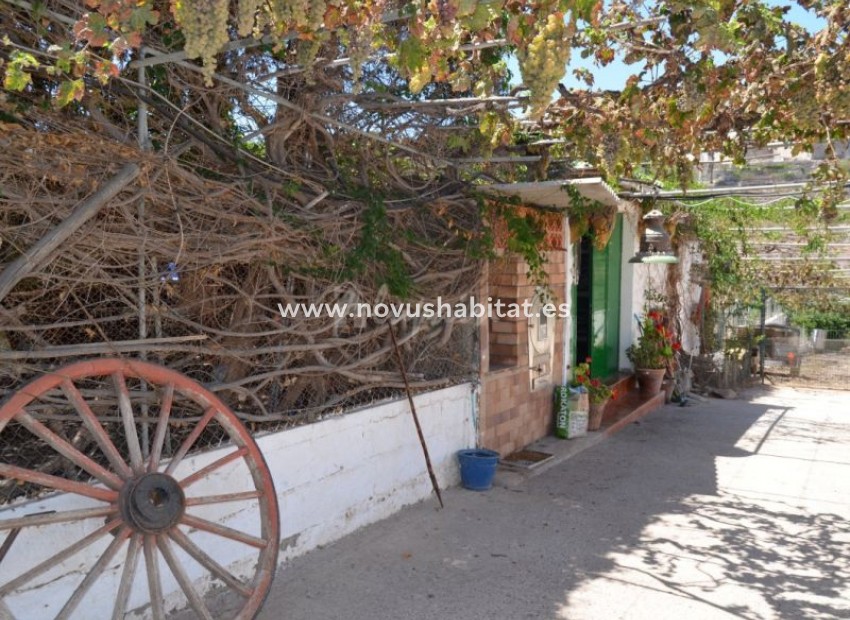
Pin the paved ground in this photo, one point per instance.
(728, 509)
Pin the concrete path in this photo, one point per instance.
(729, 509)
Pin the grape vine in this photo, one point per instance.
(204, 25)
(543, 63)
(246, 16)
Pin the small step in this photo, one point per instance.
(628, 405)
(621, 384)
(525, 459)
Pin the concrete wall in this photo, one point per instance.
(689, 296)
(637, 279)
(631, 295)
(331, 478)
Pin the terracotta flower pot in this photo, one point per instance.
(649, 380)
(597, 410)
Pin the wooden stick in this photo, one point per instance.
(424, 445)
(119, 346)
(44, 247)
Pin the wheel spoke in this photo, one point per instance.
(129, 422)
(224, 498)
(223, 531)
(93, 574)
(58, 558)
(57, 483)
(154, 584)
(158, 418)
(127, 576)
(208, 562)
(95, 428)
(161, 427)
(57, 517)
(68, 451)
(190, 440)
(195, 600)
(204, 471)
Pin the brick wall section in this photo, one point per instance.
(511, 415)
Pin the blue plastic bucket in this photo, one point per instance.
(477, 468)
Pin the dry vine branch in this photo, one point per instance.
(223, 266)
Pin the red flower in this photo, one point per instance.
(581, 378)
(587, 360)
(595, 383)
(677, 346)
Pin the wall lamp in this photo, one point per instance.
(655, 246)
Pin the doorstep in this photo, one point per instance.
(560, 449)
(627, 407)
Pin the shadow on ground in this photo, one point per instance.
(729, 509)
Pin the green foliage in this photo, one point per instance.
(597, 391)
(837, 320)
(526, 236)
(376, 254)
(70, 90)
(655, 345)
(729, 238)
(17, 77)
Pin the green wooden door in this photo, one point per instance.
(603, 286)
(605, 304)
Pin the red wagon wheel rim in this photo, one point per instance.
(142, 496)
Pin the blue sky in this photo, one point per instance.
(613, 76)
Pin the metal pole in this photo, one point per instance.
(434, 484)
(144, 144)
(762, 344)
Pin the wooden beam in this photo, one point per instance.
(102, 348)
(82, 213)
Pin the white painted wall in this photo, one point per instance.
(628, 275)
(331, 477)
(636, 280)
(689, 294)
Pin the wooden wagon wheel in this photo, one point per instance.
(105, 446)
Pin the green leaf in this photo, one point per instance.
(411, 54)
(584, 9)
(142, 16)
(72, 90)
(17, 78)
(420, 79)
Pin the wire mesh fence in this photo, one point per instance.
(807, 358)
(430, 363)
(188, 273)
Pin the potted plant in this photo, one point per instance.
(653, 352)
(598, 393)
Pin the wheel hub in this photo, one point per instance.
(152, 502)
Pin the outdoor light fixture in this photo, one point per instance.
(654, 242)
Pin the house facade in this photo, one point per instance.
(522, 359)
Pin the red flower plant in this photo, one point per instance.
(597, 391)
(656, 345)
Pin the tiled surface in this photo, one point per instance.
(630, 407)
(512, 415)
